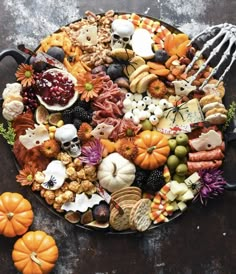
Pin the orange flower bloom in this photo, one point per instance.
(25, 74)
(88, 86)
(26, 176)
(84, 132)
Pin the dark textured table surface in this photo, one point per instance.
(200, 241)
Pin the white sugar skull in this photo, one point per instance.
(122, 31)
(68, 137)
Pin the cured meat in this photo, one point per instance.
(215, 154)
(196, 166)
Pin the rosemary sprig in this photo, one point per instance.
(8, 134)
(230, 115)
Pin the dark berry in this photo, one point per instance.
(161, 56)
(38, 66)
(84, 104)
(155, 181)
(57, 53)
(115, 71)
(67, 116)
(77, 123)
(141, 176)
(82, 114)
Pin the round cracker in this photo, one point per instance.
(131, 217)
(216, 110)
(141, 219)
(120, 222)
(129, 196)
(216, 119)
(211, 106)
(210, 99)
(124, 189)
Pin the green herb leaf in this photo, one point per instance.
(8, 134)
(230, 115)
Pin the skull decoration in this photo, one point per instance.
(122, 30)
(68, 137)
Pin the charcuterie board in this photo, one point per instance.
(115, 124)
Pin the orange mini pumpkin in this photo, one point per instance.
(153, 149)
(16, 214)
(35, 253)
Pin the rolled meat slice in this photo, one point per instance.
(196, 166)
(215, 154)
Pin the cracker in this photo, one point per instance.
(131, 217)
(129, 196)
(141, 219)
(120, 222)
(126, 189)
(216, 110)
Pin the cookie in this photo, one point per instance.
(141, 219)
(122, 53)
(216, 119)
(135, 63)
(216, 110)
(220, 88)
(210, 99)
(134, 83)
(144, 82)
(120, 222)
(125, 197)
(138, 71)
(211, 106)
(126, 190)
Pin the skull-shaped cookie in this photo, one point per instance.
(122, 30)
(67, 136)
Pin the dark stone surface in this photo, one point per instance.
(200, 241)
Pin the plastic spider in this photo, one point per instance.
(176, 110)
(51, 182)
(125, 62)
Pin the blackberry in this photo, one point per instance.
(67, 116)
(77, 123)
(155, 181)
(141, 176)
(82, 114)
(84, 104)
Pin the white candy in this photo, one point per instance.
(129, 96)
(137, 97)
(134, 104)
(155, 101)
(154, 120)
(136, 112)
(136, 120)
(164, 104)
(141, 105)
(128, 115)
(151, 108)
(127, 103)
(143, 115)
(148, 114)
(147, 100)
(158, 112)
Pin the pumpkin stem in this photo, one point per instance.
(115, 170)
(10, 215)
(34, 258)
(150, 149)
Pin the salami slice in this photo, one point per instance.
(196, 166)
(215, 154)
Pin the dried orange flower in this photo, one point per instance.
(50, 148)
(88, 85)
(26, 176)
(127, 148)
(25, 74)
(84, 132)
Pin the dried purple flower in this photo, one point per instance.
(212, 184)
(91, 152)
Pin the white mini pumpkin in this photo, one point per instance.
(115, 172)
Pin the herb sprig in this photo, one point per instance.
(8, 133)
(230, 115)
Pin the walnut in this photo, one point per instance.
(64, 158)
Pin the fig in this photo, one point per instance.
(115, 71)
(161, 56)
(41, 115)
(86, 217)
(72, 217)
(101, 212)
(57, 53)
